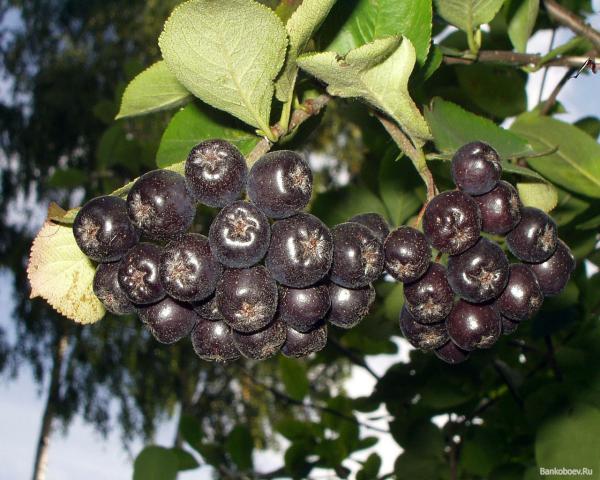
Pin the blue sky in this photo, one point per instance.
(82, 453)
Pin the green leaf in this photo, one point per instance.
(227, 54)
(370, 468)
(468, 15)
(194, 124)
(67, 178)
(156, 88)
(155, 463)
(423, 455)
(453, 126)
(522, 22)
(377, 72)
(191, 430)
(301, 26)
(293, 375)
(374, 19)
(480, 454)
(116, 147)
(570, 440)
(60, 215)
(539, 195)
(590, 125)
(185, 460)
(394, 302)
(569, 207)
(575, 165)
(337, 206)
(239, 445)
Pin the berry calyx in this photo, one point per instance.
(554, 274)
(430, 298)
(106, 287)
(451, 222)
(303, 308)
(215, 173)
(301, 250)
(375, 222)
(280, 183)
(239, 235)
(299, 345)
(476, 168)
(522, 297)
(103, 230)
(188, 271)
(168, 320)
(473, 326)
(534, 238)
(500, 209)
(139, 274)
(425, 337)
(261, 344)
(349, 306)
(213, 341)
(407, 254)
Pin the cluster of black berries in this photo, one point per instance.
(252, 287)
(493, 294)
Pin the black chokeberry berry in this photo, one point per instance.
(357, 255)
(103, 230)
(109, 292)
(349, 306)
(500, 209)
(430, 298)
(239, 235)
(261, 344)
(139, 275)
(407, 254)
(375, 222)
(534, 238)
(452, 222)
(280, 183)
(473, 326)
(298, 344)
(168, 320)
(425, 337)
(303, 308)
(208, 309)
(247, 298)
(301, 250)
(451, 353)
(554, 274)
(160, 205)
(479, 274)
(476, 168)
(508, 326)
(188, 271)
(213, 341)
(215, 172)
(522, 297)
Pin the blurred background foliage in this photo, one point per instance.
(65, 64)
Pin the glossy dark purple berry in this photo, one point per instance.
(473, 326)
(208, 309)
(407, 254)
(168, 320)
(299, 345)
(508, 326)
(425, 337)
(160, 205)
(500, 209)
(103, 230)
(554, 274)
(247, 298)
(301, 250)
(261, 344)
(476, 168)
(375, 222)
(430, 298)
(188, 271)
(534, 238)
(522, 297)
(215, 172)
(479, 274)
(349, 306)
(213, 341)
(303, 308)
(239, 235)
(357, 255)
(451, 222)
(109, 292)
(139, 274)
(451, 353)
(280, 183)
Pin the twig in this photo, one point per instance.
(551, 100)
(506, 57)
(573, 22)
(353, 357)
(545, 75)
(552, 358)
(499, 366)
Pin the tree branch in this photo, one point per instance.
(573, 22)
(551, 100)
(353, 357)
(510, 58)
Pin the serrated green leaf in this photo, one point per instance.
(227, 54)
(453, 126)
(293, 375)
(194, 124)
(377, 72)
(575, 165)
(468, 15)
(300, 27)
(60, 215)
(155, 89)
(539, 195)
(521, 23)
(239, 446)
(155, 463)
(374, 19)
